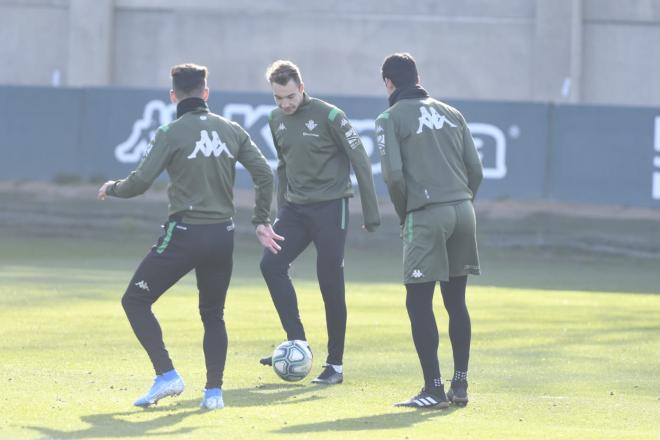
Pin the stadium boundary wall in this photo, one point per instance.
(574, 153)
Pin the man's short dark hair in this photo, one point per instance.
(283, 71)
(401, 69)
(188, 79)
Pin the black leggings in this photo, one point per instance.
(207, 249)
(419, 302)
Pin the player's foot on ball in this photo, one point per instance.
(457, 393)
(165, 385)
(212, 399)
(434, 398)
(329, 376)
(268, 360)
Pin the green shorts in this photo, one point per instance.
(440, 241)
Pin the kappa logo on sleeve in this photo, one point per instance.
(352, 137)
(380, 140)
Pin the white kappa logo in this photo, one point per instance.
(281, 127)
(417, 274)
(156, 113)
(311, 125)
(142, 284)
(352, 137)
(432, 119)
(210, 145)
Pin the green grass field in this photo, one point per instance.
(564, 346)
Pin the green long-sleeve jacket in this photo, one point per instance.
(427, 155)
(199, 150)
(316, 147)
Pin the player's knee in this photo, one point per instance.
(456, 311)
(333, 263)
(133, 300)
(210, 314)
(127, 301)
(270, 266)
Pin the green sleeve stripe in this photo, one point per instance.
(333, 114)
(270, 115)
(384, 115)
(168, 237)
(343, 214)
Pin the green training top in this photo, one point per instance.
(199, 150)
(316, 147)
(427, 155)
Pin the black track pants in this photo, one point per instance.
(207, 249)
(323, 224)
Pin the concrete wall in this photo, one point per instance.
(577, 51)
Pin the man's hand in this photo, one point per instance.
(101, 195)
(268, 238)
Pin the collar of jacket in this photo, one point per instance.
(191, 105)
(305, 101)
(408, 92)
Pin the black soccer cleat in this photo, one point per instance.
(329, 376)
(434, 398)
(458, 393)
(268, 360)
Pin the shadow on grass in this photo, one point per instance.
(119, 424)
(389, 420)
(272, 394)
(116, 425)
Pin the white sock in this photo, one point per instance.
(337, 368)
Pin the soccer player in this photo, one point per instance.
(199, 150)
(316, 146)
(432, 171)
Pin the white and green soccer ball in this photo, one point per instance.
(292, 360)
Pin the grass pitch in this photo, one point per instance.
(576, 356)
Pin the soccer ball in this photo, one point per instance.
(292, 360)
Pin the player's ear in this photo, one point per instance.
(205, 94)
(301, 87)
(172, 97)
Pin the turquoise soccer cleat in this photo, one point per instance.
(165, 385)
(212, 399)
